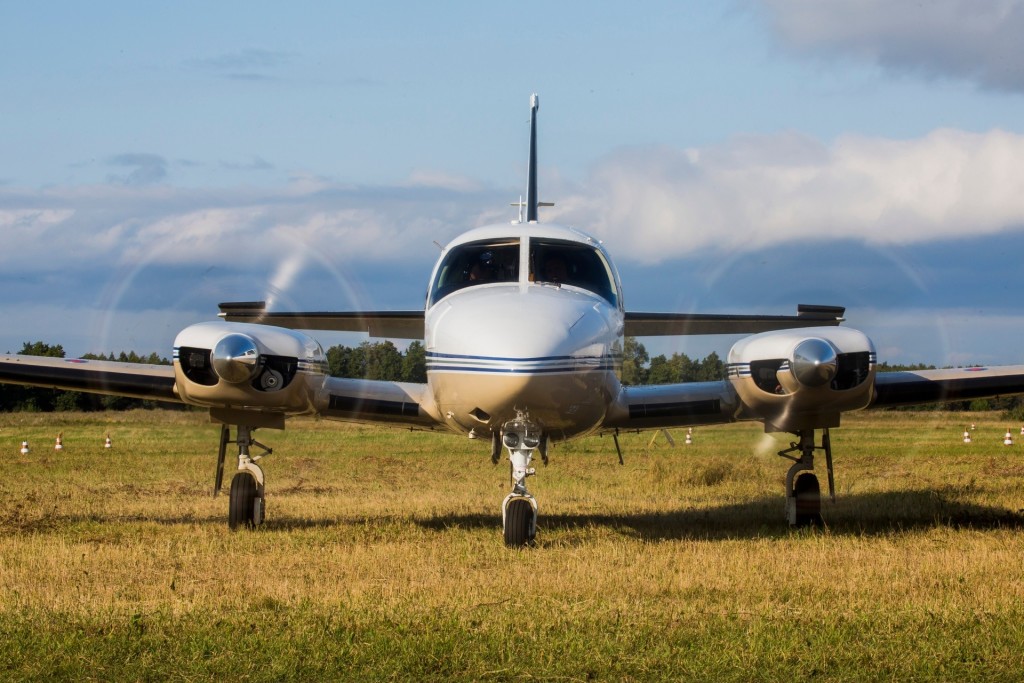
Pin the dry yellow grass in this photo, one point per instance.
(677, 565)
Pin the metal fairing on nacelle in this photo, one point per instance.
(294, 361)
(762, 370)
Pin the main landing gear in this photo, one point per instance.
(246, 505)
(519, 509)
(803, 493)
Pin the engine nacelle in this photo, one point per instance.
(802, 379)
(248, 367)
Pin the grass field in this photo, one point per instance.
(382, 557)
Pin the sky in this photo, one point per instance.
(735, 157)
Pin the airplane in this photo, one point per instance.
(524, 327)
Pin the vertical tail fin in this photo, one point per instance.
(531, 182)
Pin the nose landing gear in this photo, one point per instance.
(519, 509)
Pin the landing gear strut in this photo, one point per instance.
(519, 509)
(803, 493)
(246, 505)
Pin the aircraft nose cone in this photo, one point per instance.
(814, 362)
(516, 326)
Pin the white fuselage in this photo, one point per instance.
(523, 338)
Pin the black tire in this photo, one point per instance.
(242, 506)
(518, 523)
(807, 492)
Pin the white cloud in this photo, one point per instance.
(657, 203)
(649, 204)
(68, 227)
(979, 41)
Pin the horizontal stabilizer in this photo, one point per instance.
(670, 324)
(382, 324)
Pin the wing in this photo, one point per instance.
(672, 405)
(376, 401)
(384, 324)
(668, 324)
(939, 386)
(357, 400)
(134, 380)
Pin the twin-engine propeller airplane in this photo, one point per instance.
(524, 329)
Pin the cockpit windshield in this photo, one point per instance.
(476, 263)
(572, 263)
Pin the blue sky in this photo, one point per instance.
(741, 156)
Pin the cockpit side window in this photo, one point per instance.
(476, 263)
(572, 263)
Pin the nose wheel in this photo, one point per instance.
(519, 519)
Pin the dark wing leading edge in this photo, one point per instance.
(938, 386)
(376, 401)
(134, 380)
(382, 324)
(672, 405)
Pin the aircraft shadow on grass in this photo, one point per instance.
(865, 514)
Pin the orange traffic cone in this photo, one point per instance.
(689, 436)
(24, 447)
(107, 443)
(1008, 439)
(59, 446)
(967, 435)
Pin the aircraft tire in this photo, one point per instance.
(242, 505)
(518, 521)
(807, 491)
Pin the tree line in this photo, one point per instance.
(639, 368)
(383, 361)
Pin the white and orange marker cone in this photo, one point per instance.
(1022, 430)
(59, 446)
(967, 435)
(689, 436)
(1008, 439)
(24, 447)
(107, 443)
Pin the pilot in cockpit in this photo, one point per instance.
(483, 268)
(555, 269)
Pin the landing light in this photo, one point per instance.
(521, 432)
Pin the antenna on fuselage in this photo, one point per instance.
(531, 203)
